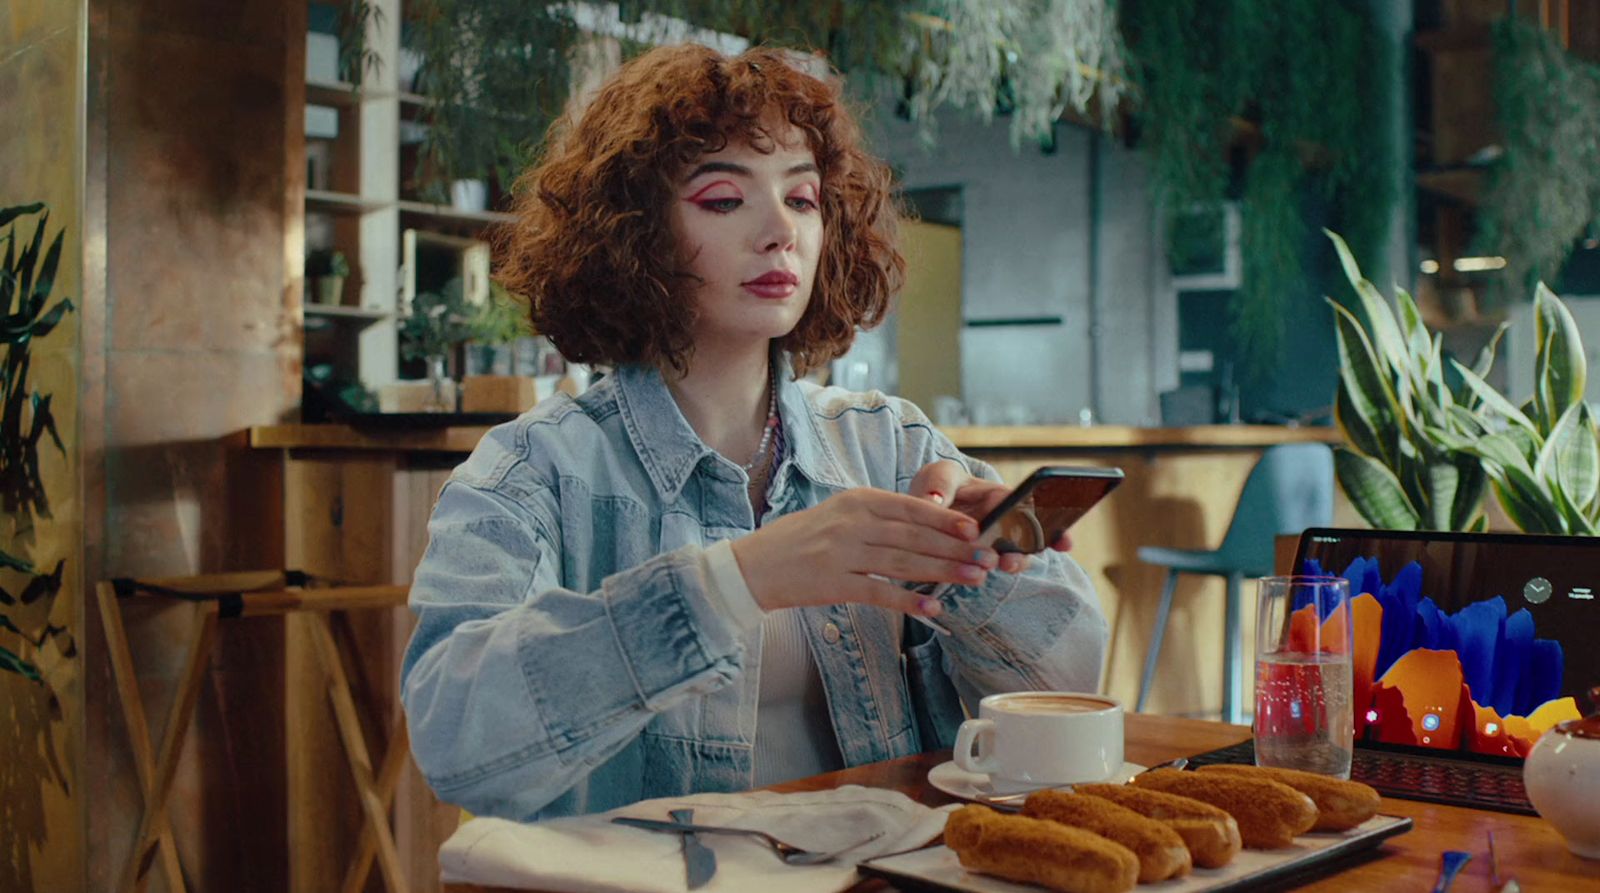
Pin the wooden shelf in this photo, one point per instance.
(339, 311)
(339, 93)
(342, 202)
(447, 213)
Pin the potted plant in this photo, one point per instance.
(437, 324)
(327, 270)
(499, 322)
(1422, 454)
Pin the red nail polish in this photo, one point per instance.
(936, 496)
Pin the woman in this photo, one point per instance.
(696, 576)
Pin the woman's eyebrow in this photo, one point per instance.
(728, 167)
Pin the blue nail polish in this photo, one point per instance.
(977, 556)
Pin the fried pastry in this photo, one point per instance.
(1269, 813)
(1341, 805)
(1034, 851)
(1161, 851)
(1209, 832)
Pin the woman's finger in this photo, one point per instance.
(1013, 562)
(938, 482)
(927, 541)
(904, 507)
(899, 564)
(865, 590)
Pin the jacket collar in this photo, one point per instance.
(670, 450)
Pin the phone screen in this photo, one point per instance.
(1045, 506)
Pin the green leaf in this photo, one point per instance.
(1569, 463)
(1416, 335)
(1478, 525)
(1485, 360)
(10, 661)
(1492, 400)
(1366, 380)
(1385, 334)
(1441, 482)
(9, 214)
(1471, 485)
(1466, 421)
(1356, 429)
(1505, 449)
(1534, 502)
(1559, 365)
(1374, 491)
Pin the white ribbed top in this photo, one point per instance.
(794, 735)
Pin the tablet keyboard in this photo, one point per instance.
(1408, 777)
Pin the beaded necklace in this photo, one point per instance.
(767, 431)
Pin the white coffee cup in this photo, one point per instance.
(1034, 738)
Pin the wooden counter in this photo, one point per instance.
(1028, 437)
(357, 504)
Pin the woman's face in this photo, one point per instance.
(749, 225)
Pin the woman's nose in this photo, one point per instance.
(778, 231)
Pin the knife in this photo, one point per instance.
(699, 862)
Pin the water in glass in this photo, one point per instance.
(1303, 719)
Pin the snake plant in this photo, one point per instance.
(1406, 466)
(1542, 458)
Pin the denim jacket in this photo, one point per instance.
(569, 658)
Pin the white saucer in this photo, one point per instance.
(958, 782)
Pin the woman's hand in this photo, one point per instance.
(947, 483)
(833, 553)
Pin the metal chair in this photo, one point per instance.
(1289, 490)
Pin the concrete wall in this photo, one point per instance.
(1066, 236)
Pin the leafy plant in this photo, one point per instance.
(499, 70)
(356, 58)
(1543, 460)
(501, 319)
(27, 276)
(437, 323)
(1271, 102)
(1404, 467)
(1543, 192)
(323, 262)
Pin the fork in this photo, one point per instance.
(788, 852)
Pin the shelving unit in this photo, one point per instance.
(359, 211)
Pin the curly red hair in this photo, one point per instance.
(591, 248)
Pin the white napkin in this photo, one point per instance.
(588, 854)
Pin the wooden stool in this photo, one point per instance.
(219, 597)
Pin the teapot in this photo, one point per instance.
(1562, 776)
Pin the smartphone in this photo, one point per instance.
(1044, 506)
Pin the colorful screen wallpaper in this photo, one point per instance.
(1469, 646)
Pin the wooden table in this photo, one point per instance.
(1530, 849)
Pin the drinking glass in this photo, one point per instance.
(1303, 675)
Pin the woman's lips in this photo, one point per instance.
(774, 284)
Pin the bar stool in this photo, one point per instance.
(220, 597)
(1289, 489)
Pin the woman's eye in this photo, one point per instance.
(801, 202)
(720, 205)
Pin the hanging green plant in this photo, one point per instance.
(28, 270)
(1543, 192)
(1299, 78)
(499, 71)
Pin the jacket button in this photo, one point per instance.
(830, 633)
